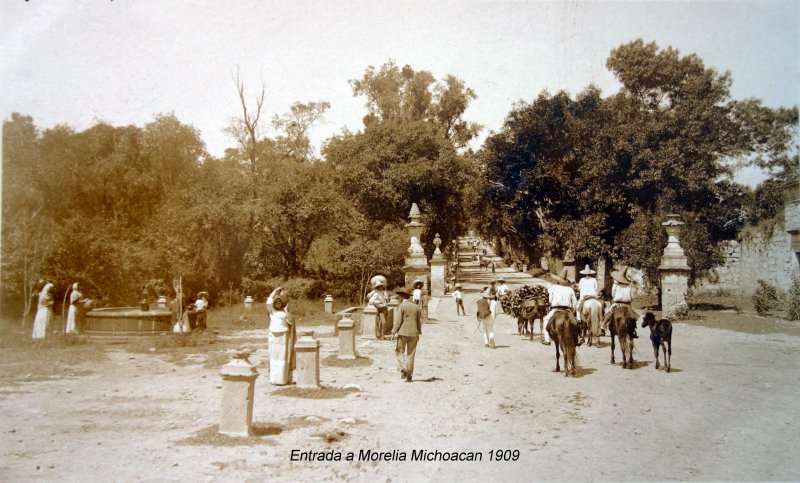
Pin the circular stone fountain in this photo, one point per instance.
(127, 321)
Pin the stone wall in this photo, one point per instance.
(758, 256)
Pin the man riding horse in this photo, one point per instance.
(621, 294)
(561, 297)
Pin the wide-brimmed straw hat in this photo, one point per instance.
(553, 278)
(418, 282)
(404, 292)
(202, 294)
(587, 271)
(501, 280)
(620, 278)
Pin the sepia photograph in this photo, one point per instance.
(390, 241)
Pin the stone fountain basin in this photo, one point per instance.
(127, 321)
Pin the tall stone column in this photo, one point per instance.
(674, 272)
(438, 265)
(416, 266)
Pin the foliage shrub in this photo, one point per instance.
(793, 299)
(764, 298)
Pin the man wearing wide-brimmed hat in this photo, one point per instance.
(407, 330)
(485, 319)
(621, 293)
(561, 296)
(459, 297)
(502, 289)
(379, 299)
(587, 288)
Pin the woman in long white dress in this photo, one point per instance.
(281, 339)
(73, 314)
(45, 312)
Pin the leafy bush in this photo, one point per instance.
(764, 298)
(793, 299)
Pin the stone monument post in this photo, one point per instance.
(674, 272)
(438, 265)
(307, 350)
(238, 384)
(248, 303)
(328, 304)
(162, 302)
(347, 338)
(416, 266)
(368, 320)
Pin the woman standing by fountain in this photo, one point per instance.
(282, 337)
(75, 306)
(45, 312)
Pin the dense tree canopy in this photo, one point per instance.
(126, 208)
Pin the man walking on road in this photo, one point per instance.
(407, 330)
(485, 318)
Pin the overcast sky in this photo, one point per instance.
(123, 61)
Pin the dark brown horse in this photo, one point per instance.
(564, 330)
(531, 310)
(622, 325)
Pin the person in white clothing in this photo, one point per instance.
(459, 297)
(45, 312)
(416, 296)
(281, 339)
(502, 289)
(561, 297)
(587, 288)
(75, 309)
(200, 308)
(621, 294)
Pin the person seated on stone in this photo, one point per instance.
(587, 288)
(561, 297)
(621, 294)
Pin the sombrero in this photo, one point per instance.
(201, 294)
(587, 271)
(404, 292)
(619, 278)
(419, 282)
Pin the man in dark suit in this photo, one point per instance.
(407, 329)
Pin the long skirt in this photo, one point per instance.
(280, 367)
(72, 318)
(43, 316)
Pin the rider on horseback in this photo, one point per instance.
(621, 294)
(562, 297)
(587, 287)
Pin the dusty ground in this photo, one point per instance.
(727, 411)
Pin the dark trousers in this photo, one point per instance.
(460, 307)
(382, 325)
(406, 350)
(201, 320)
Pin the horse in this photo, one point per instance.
(622, 325)
(564, 331)
(592, 315)
(531, 310)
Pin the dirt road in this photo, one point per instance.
(727, 411)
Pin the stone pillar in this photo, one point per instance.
(393, 303)
(238, 384)
(248, 303)
(162, 302)
(328, 304)
(416, 266)
(307, 351)
(368, 318)
(347, 338)
(438, 265)
(674, 272)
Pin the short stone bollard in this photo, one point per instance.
(347, 338)
(328, 304)
(248, 303)
(307, 350)
(162, 302)
(368, 320)
(238, 384)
